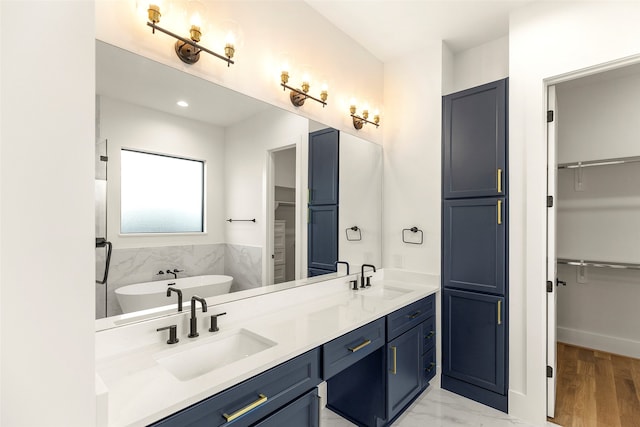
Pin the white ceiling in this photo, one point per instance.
(391, 28)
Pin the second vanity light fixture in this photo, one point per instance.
(298, 96)
(188, 50)
(360, 121)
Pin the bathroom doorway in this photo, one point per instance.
(284, 193)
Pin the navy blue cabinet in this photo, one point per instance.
(250, 401)
(474, 333)
(376, 390)
(324, 149)
(475, 238)
(323, 167)
(404, 366)
(474, 244)
(323, 237)
(304, 412)
(474, 132)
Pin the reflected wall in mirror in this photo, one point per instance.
(256, 167)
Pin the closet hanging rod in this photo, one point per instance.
(602, 162)
(603, 264)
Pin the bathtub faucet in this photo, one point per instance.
(193, 330)
(174, 272)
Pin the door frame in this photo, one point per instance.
(269, 213)
(552, 145)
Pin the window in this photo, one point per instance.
(161, 194)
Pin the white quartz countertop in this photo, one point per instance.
(140, 391)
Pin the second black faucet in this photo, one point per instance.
(193, 325)
(364, 284)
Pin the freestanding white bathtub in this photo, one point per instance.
(140, 296)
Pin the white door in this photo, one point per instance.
(552, 172)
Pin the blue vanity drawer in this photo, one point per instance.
(304, 412)
(400, 321)
(250, 401)
(344, 351)
(428, 334)
(428, 366)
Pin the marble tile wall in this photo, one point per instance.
(139, 265)
(244, 264)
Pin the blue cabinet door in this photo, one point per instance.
(323, 237)
(304, 412)
(473, 340)
(474, 244)
(474, 132)
(323, 167)
(404, 370)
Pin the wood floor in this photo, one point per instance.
(596, 389)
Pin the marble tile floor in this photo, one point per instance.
(441, 408)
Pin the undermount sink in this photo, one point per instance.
(385, 292)
(200, 357)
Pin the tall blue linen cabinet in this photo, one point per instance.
(475, 228)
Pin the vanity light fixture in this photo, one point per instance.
(188, 50)
(360, 121)
(298, 96)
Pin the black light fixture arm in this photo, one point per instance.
(359, 119)
(155, 26)
(302, 93)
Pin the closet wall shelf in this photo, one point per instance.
(602, 264)
(602, 162)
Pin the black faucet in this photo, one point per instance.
(193, 329)
(342, 262)
(177, 291)
(362, 281)
(174, 272)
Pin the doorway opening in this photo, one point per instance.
(593, 247)
(284, 214)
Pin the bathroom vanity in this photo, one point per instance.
(374, 347)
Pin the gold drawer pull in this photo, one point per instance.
(499, 312)
(261, 399)
(499, 180)
(431, 366)
(431, 334)
(499, 211)
(395, 350)
(414, 315)
(359, 346)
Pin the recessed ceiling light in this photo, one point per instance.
(183, 103)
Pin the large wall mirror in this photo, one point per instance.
(235, 165)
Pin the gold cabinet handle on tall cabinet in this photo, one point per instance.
(499, 180)
(499, 211)
(394, 349)
(499, 312)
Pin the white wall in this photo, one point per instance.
(47, 218)
(271, 31)
(246, 156)
(360, 195)
(546, 40)
(482, 64)
(126, 125)
(285, 167)
(412, 159)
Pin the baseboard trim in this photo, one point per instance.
(609, 344)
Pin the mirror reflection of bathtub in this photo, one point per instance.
(141, 296)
